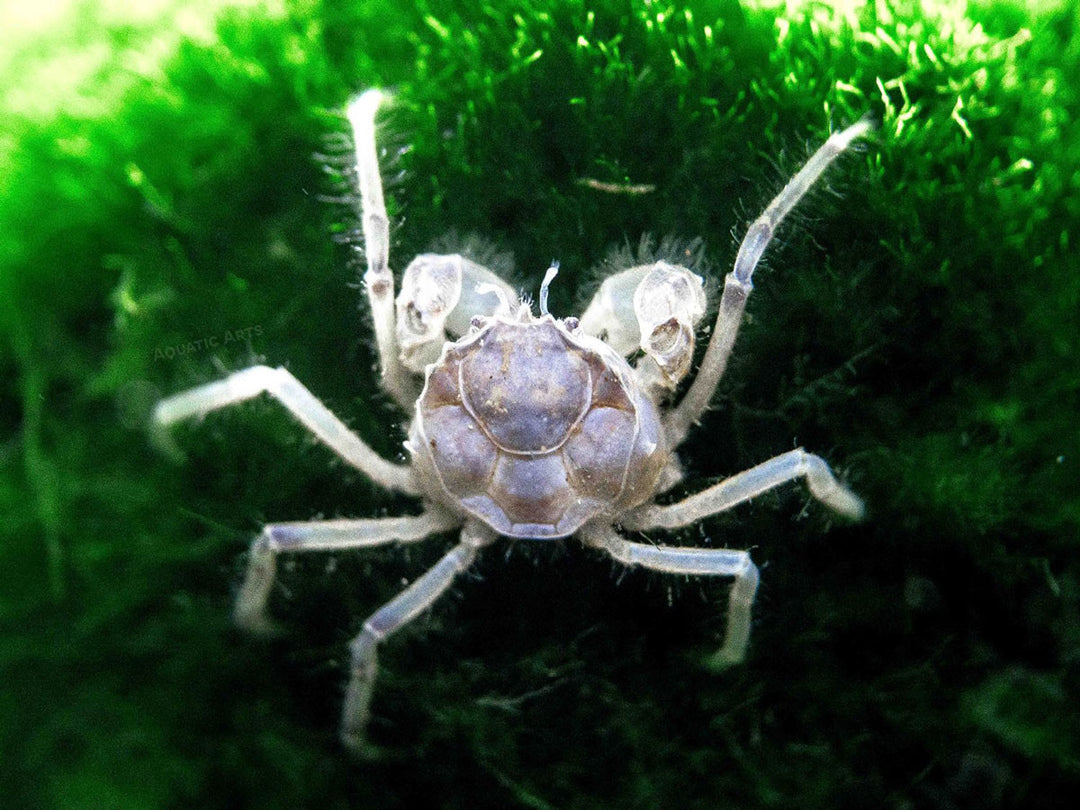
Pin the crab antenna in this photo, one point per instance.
(549, 276)
(485, 287)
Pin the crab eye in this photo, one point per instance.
(477, 323)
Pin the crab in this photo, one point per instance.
(526, 426)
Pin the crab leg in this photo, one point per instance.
(697, 562)
(323, 535)
(378, 280)
(396, 613)
(738, 283)
(290, 392)
(748, 484)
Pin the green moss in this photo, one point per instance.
(918, 327)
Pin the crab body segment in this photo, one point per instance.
(527, 427)
(535, 430)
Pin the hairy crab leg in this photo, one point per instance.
(322, 535)
(378, 280)
(737, 285)
(396, 613)
(290, 392)
(746, 485)
(697, 562)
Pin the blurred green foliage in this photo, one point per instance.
(164, 180)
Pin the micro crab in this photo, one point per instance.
(527, 427)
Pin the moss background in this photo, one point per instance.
(916, 324)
